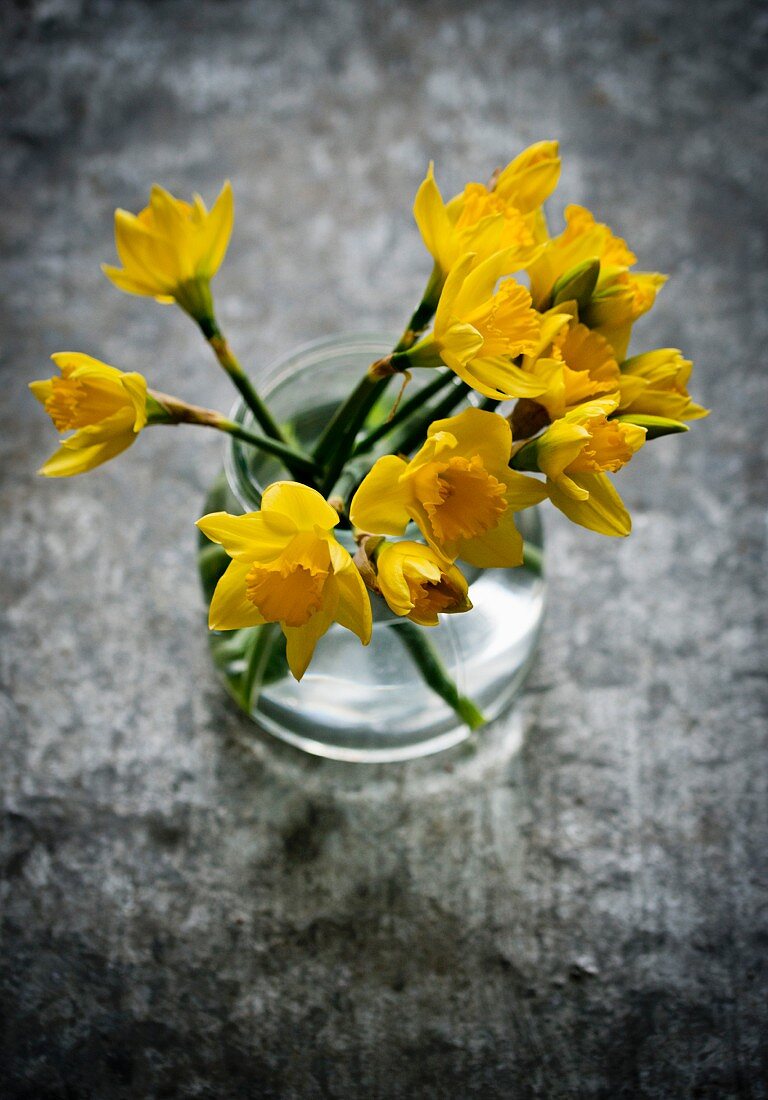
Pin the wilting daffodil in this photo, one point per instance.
(483, 220)
(458, 489)
(654, 384)
(287, 568)
(575, 452)
(419, 583)
(172, 249)
(478, 331)
(103, 407)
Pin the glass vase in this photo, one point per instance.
(366, 703)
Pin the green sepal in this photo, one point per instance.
(194, 297)
(423, 354)
(157, 413)
(655, 426)
(527, 458)
(577, 284)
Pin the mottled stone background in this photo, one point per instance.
(183, 918)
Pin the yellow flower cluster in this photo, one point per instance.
(520, 315)
(546, 320)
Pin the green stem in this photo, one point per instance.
(407, 408)
(533, 559)
(337, 441)
(426, 659)
(162, 408)
(489, 404)
(353, 409)
(231, 364)
(301, 466)
(423, 313)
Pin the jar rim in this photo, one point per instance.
(311, 354)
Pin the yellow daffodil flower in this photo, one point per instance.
(619, 296)
(575, 452)
(531, 177)
(458, 489)
(477, 332)
(582, 239)
(287, 568)
(417, 582)
(654, 384)
(172, 249)
(618, 301)
(571, 365)
(483, 220)
(104, 408)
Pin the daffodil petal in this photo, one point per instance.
(256, 536)
(219, 230)
(116, 426)
(380, 505)
(499, 548)
(453, 284)
(478, 432)
(603, 510)
(301, 640)
(230, 607)
(433, 221)
(353, 610)
(131, 285)
(559, 446)
(531, 177)
(478, 286)
(69, 461)
(42, 389)
(304, 506)
(136, 387)
(70, 361)
(523, 491)
(145, 254)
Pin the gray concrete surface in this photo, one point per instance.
(185, 917)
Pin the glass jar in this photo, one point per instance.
(366, 703)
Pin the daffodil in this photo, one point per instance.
(418, 583)
(618, 301)
(172, 249)
(655, 384)
(571, 365)
(458, 489)
(619, 296)
(287, 568)
(531, 177)
(478, 331)
(104, 407)
(483, 220)
(575, 453)
(583, 239)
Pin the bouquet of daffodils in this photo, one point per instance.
(531, 397)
